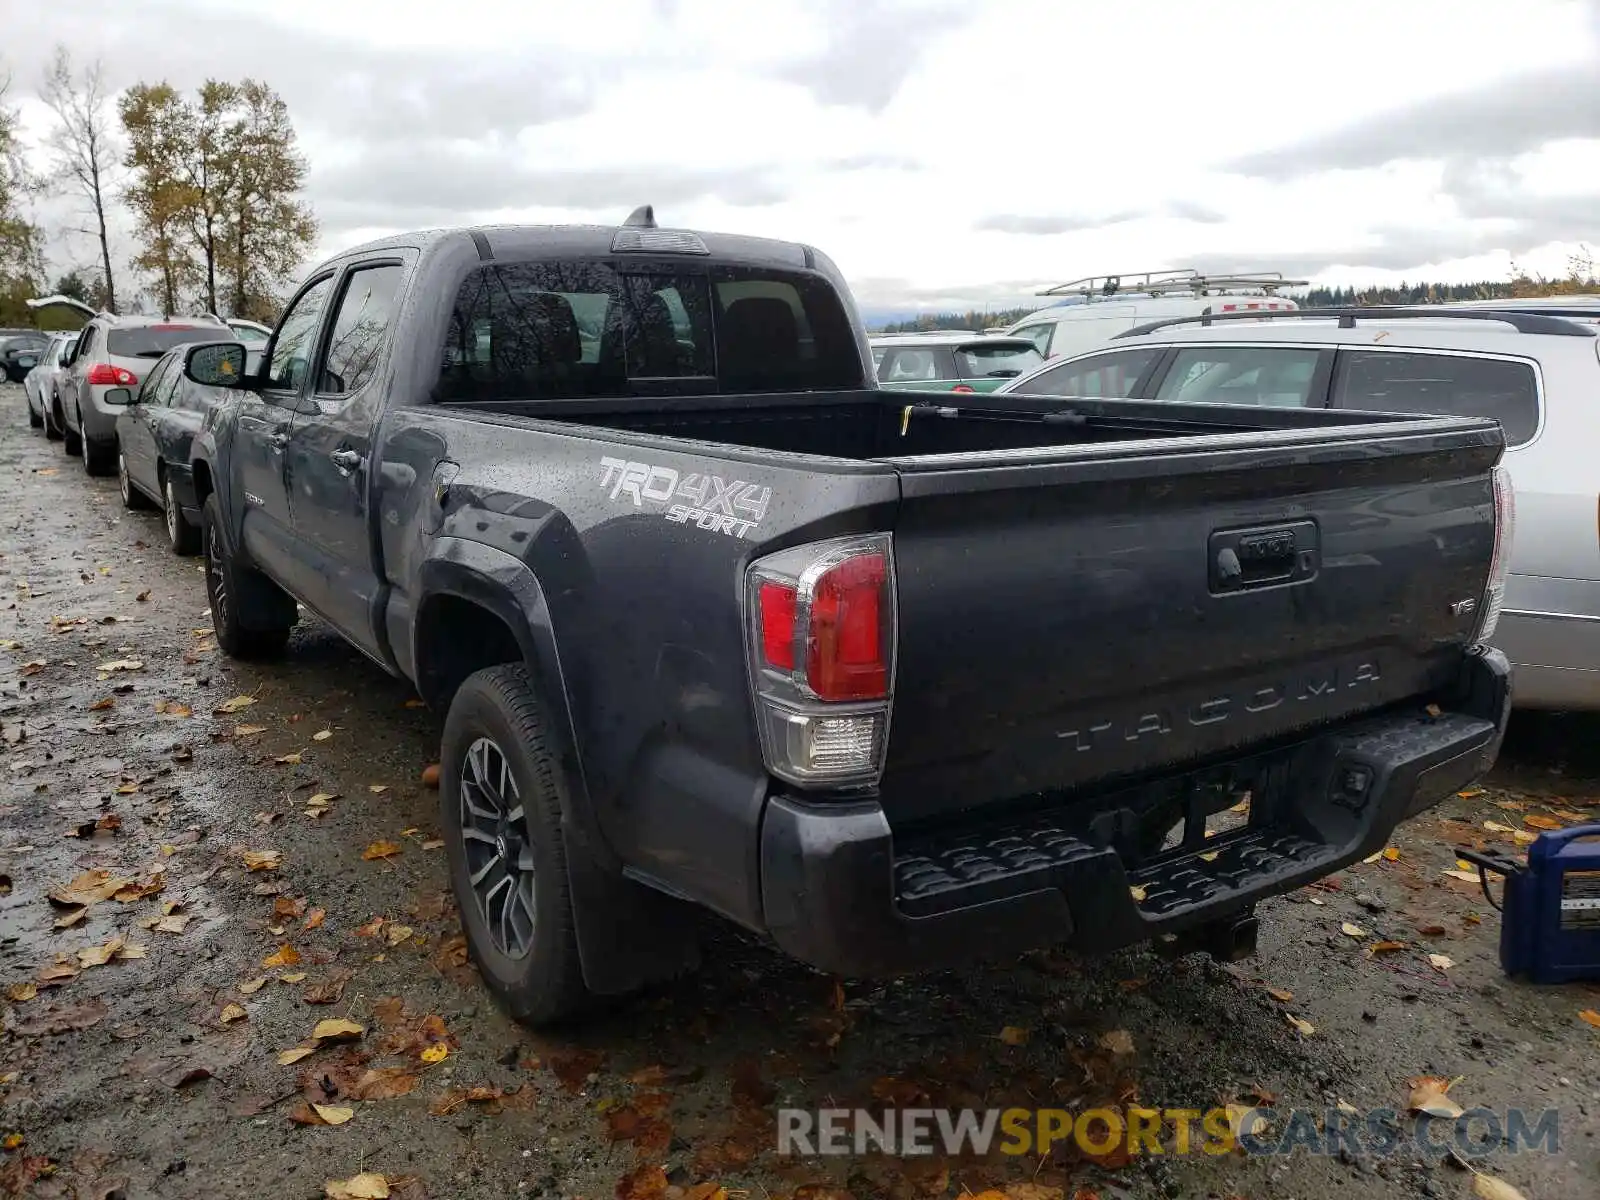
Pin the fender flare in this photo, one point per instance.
(628, 934)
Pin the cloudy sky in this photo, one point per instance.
(942, 151)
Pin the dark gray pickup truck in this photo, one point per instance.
(892, 683)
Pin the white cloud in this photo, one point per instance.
(938, 151)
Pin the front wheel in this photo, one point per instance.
(227, 587)
(500, 810)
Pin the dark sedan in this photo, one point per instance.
(153, 436)
(20, 353)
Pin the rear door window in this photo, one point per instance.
(913, 364)
(1451, 385)
(1270, 376)
(1114, 375)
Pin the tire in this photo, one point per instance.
(184, 537)
(52, 428)
(71, 442)
(496, 717)
(35, 420)
(98, 459)
(132, 497)
(226, 584)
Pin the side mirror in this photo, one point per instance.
(120, 396)
(216, 364)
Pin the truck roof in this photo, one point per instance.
(521, 242)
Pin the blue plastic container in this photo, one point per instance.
(1550, 917)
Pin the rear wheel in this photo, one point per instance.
(185, 538)
(98, 458)
(52, 420)
(132, 497)
(229, 587)
(71, 441)
(35, 419)
(500, 810)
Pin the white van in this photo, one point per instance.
(1100, 307)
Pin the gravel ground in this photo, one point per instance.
(157, 1072)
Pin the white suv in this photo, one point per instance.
(115, 353)
(1536, 371)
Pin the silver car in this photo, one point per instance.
(112, 357)
(40, 384)
(1535, 368)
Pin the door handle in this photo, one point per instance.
(346, 460)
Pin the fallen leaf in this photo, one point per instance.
(102, 705)
(1014, 1035)
(384, 1083)
(89, 888)
(182, 1076)
(1138, 892)
(1535, 821)
(322, 735)
(297, 977)
(248, 730)
(1490, 1187)
(56, 973)
(251, 986)
(1354, 931)
(1118, 1041)
(263, 860)
(1590, 1017)
(370, 928)
(377, 789)
(329, 990)
(1440, 962)
(1305, 1027)
(1392, 854)
(1464, 876)
(21, 993)
(68, 920)
(284, 956)
(98, 956)
(232, 1013)
(333, 1114)
(1385, 947)
(1428, 1095)
(379, 850)
(121, 664)
(288, 760)
(322, 799)
(1208, 855)
(1283, 994)
(337, 1029)
(295, 1054)
(315, 918)
(365, 1186)
(172, 923)
(58, 1019)
(433, 844)
(648, 1182)
(286, 907)
(1372, 858)
(237, 704)
(435, 1053)
(430, 775)
(1318, 902)
(396, 934)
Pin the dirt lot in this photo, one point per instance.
(232, 914)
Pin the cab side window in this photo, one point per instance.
(291, 351)
(360, 329)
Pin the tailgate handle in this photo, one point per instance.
(1242, 559)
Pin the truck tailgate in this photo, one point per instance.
(1084, 614)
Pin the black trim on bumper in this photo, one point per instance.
(839, 893)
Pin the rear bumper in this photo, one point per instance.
(840, 892)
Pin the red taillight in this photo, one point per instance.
(107, 375)
(845, 658)
(961, 387)
(777, 625)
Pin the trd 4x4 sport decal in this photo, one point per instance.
(734, 508)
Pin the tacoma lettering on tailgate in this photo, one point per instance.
(696, 498)
(1313, 685)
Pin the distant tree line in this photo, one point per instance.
(971, 319)
(213, 183)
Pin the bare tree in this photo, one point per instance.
(82, 143)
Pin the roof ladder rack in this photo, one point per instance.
(1162, 283)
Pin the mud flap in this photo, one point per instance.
(628, 935)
